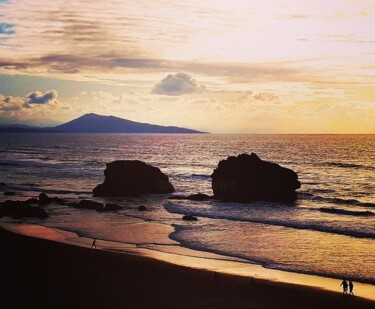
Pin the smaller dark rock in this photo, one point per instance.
(142, 208)
(109, 207)
(88, 204)
(192, 197)
(59, 201)
(9, 193)
(44, 199)
(21, 209)
(3, 184)
(72, 204)
(199, 197)
(32, 201)
(177, 197)
(189, 218)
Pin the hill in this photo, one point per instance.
(93, 123)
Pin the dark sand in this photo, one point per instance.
(37, 273)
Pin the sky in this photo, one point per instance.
(239, 66)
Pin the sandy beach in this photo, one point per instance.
(39, 273)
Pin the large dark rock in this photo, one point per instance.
(21, 209)
(3, 184)
(248, 178)
(132, 178)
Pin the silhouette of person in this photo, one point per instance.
(93, 245)
(351, 286)
(344, 285)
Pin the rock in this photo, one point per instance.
(3, 184)
(44, 199)
(21, 209)
(109, 207)
(189, 218)
(9, 193)
(248, 178)
(142, 208)
(192, 197)
(59, 201)
(32, 201)
(199, 197)
(88, 204)
(132, 178)
(177, 197)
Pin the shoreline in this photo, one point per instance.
(234, 270)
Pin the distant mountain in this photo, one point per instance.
(93, 123)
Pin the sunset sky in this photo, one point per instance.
(239, 66)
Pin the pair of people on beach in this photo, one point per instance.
(345, 285)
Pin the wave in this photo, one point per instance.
(266, 263)
(334, 200)
(35, 163)
(175, 208)
(33, 188)
(347, 212)
(201, 176)
(348, 165)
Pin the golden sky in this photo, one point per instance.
(239, 66)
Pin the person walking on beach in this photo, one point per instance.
(344, 285)
(351, 286)
(93, 245)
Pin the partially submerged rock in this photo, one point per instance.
(9, 193)
(3, 184)
(189, 218)
(100, 207)
(132, 178)
(248, 178)
(109, 207)
(142, 208)
(88, 204)
(44, 199)
(192, 197)
(21, 209)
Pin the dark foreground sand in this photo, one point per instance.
(38, 273)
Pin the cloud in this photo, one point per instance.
(38, 97)
(16, 103)
(178, 84)
(266, 97)
(10, 103)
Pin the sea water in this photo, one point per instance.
(328, 231)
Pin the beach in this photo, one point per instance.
(40, 273)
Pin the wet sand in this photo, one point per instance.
(39, 273)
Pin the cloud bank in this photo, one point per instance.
(178, 84)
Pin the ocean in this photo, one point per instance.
(329, 231)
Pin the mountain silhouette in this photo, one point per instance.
(93, 123)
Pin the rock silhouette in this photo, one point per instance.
(189, 218)
(3, 184)
(44, 199)
(109, 207)
(132, 178)
(192, 197)
(21, 209)
(248, 178)
(9, 193)
(87, 204)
